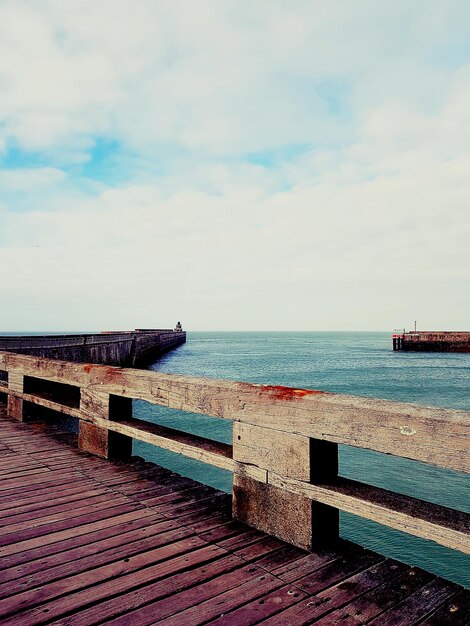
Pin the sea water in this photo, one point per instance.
(361, 364)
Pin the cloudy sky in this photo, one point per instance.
(237, 165)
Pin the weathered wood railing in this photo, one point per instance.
(285, 442)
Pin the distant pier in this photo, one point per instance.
(134, 348)
(432, 341)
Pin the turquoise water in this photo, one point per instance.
(353, 363)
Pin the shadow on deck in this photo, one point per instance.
(89, 541)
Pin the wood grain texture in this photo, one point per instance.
(87, 541)
(432, 435)
(15, 407)
(285, 454)
(288, 516)
(96, 437)
(49, 404)
(445, 526)
(15, 382)
(285, 442)
(200, 448)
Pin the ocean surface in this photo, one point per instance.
(361, 364)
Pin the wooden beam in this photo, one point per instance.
(445, 526)
(431, 435)
(49, 404)
(15, 403)
(273, 510)
(193, 446)
(96, 438)
(287, 455)
(290, 517)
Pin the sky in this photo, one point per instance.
(236, 165)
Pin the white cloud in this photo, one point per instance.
(368, 228)
(228, 77)
(28, 179)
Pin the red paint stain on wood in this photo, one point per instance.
(288, 393)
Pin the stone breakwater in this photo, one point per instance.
(126, 349)
(432, 341)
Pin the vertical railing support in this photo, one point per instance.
(293, 518)
(101, 441)
(15, 407)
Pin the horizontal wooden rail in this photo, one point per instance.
(427, 434)
(49, 404)
(446, 526)
(199, 448)
(284, 454)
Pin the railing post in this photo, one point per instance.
(15, 404)
(101, 441)
(291, 517)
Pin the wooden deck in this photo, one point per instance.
(90, 541)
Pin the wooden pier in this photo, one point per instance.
(85, 540)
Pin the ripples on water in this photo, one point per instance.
(352, 363)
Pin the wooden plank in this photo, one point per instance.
(37, 492)
(193, 446)
(94, 556)
(47, 404)
(98, 439)
(326, 601)
(285, 454)
(432, 435)
(31, 551)
(12, 484)
(310, 563)
(224, 601)
(157, 600)
(418, 605)
(221, 501)
(11, 543)
(262, 608)
(455, 612)
(25, 472)
(16, 461)
(445, 526)
(115, 579)
(192, 494)
(259, 549)
(219, 591)
(81, 580)
(377, 601)
(113, 551)
(83, 546)
(288, 555)
(16, 523)
(288, 516)
(336, 571)
(229, 530)
(61, 521)
(15, 382)
(37, 510)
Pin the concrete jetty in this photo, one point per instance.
(432, 341)
(124, 348)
